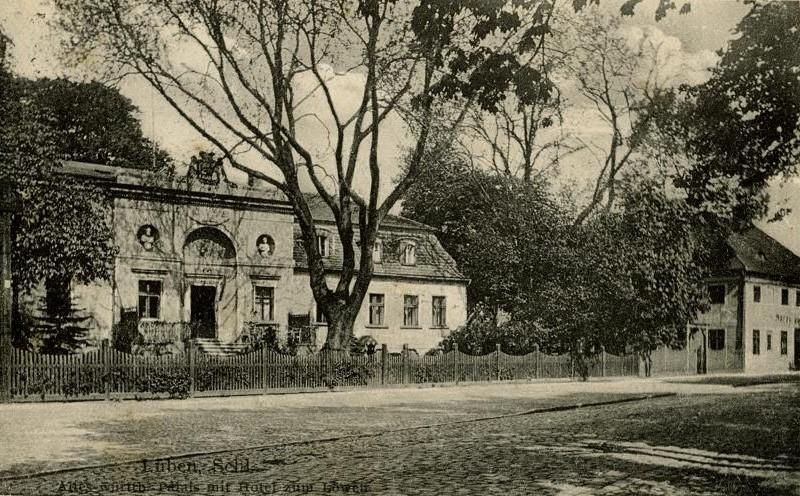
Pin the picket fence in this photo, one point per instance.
(111, 374)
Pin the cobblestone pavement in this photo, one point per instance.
(45, 436)
(710, 444)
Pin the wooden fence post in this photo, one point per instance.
(192, 356)
(603, 360)
(455, 362)
(264, 368)
(105, 357)
(497, 360)
(536, 360)
(404, 374)
(384, 362)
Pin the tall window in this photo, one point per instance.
(439, 312)
(263, 303)
(376, 304)
(411, 311)
(784, 342)
(149, 299)
(756, 342)
(769, 341)
(409, 254)
(757, 294)
(319, 315)
(323, 244)
(377, 251)
(716, 339)
(797, 298)
(784, 296)
(716, 293)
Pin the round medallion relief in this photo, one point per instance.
(147, 236)
(265, 245)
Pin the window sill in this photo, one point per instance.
(410, 327)
(439, 328)
(375, 326)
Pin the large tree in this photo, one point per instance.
(425, 61)
(62, 232)
(722, 142)
(501, 230)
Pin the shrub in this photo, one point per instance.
(176, 383)
(222, 377)
(347, 373)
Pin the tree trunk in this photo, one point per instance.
(340, 331)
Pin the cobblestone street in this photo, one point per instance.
(747, 442)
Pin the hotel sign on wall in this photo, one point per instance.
(786, 319)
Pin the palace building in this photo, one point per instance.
(219, 263)
(753, 324)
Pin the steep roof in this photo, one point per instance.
(432, 261)
(321, 212)
(757, 252)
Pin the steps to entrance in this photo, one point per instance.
(218, 348)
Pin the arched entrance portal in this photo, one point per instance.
(209, 259)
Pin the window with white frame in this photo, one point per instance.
(149, 299)
(784, 296)
(377, 251)
(439, 317)
(784, 342)
(756, 294)
(408, 254)
(324, 244)
(411, 311)
(756, 342)
(376, 309)
(263, 303)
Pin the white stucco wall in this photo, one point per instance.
(770, 317)
(393, 333)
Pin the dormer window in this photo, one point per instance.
(324, 244)
(408, 255)
(377, 251)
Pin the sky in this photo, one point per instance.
(692, 40)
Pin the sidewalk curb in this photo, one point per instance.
(562, 408)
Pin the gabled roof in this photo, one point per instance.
(321, 212)
(432, 261)
(757, 252)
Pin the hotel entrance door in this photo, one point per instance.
(204, 311)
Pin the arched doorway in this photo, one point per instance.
(209, 258)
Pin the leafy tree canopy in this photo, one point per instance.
(62, 231)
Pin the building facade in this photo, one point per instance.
(219, 262)
(753, 324)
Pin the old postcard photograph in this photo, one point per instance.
(400, 247)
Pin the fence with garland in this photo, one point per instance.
(110, 374)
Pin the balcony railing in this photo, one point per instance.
(161, 332)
